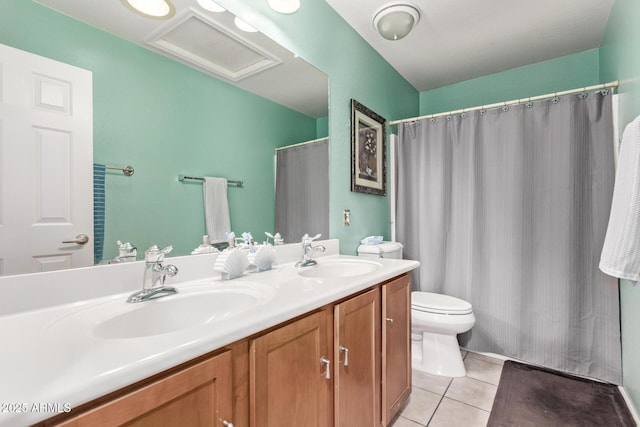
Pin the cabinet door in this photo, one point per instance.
(357, 356)
(288, 378)
(396, 346)
(200, 395)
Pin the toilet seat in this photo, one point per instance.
(429, 302)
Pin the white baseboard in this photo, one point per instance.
(630, 405)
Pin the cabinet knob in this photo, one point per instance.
(345, 350)
(327, 363)
(390, 320)
(227, 423)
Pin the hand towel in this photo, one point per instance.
(621, 250)
(216, 208)
(98, 211)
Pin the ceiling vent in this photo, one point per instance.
(194, 39)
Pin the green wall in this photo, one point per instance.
(164, 118)
(555, 75)
(320, 36)
(208, 139)
(620, 60)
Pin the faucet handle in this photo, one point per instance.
(307, 239)
(171, 270)
(154, 254)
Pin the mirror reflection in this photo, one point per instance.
(164, 104)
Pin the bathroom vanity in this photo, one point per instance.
(315, 347)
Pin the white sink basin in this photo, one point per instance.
(330, 268)
(203, 304)
(174, 313)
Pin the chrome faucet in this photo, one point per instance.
(154, 276)
(126, 253)
(308, 251)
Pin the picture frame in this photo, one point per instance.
(368, 151)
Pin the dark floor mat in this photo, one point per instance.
(530, 396)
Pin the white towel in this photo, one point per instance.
(216, 208)
(621, 251)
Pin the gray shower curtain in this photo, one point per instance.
(302, 191)
(507, 209)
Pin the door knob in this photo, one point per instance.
(80, 239)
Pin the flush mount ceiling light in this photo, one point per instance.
(155, 9)
(395, 21)
(244, 26)
(284, 6)
(211, 6)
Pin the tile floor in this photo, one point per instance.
(442, 401)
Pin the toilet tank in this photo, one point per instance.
(382, 250)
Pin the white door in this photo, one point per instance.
(46, 158)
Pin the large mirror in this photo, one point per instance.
(190, 95)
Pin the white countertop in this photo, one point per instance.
(51, 357)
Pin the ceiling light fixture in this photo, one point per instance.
(244, 26)
(155, 9)
(284, 6)
(395, 21)
(211, 6)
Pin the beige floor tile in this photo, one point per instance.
(434, 383)
(405, 422)
(422, 404)
(451, 413)
(486, 358)
(472, 392)
(483, 370)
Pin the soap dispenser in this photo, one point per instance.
(205, 247)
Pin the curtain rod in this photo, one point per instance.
(512, 102)
(302, 143)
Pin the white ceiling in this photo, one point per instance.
(210, 42)
(458, 40)
(454, 41)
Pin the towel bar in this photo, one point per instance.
(183, 178)
(127, 170)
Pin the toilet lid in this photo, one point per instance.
(438, 303)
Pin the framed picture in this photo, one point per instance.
(368, 148)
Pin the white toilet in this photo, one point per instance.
(436, 320)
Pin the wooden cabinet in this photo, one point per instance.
(396, 346)
(290, 374)
(366, 351)
(347, 364)
(200, 395)
(357, 360)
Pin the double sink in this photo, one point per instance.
(197, 305)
